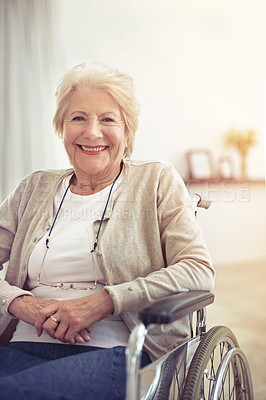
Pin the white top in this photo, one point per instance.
(69, 261)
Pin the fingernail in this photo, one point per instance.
(87, 337)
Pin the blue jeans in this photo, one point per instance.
(44, 371)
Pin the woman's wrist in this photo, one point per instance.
(109, 301)
(16, 304)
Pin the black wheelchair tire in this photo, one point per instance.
(194, 388)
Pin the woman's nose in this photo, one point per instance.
(92, 129)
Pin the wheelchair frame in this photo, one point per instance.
(185, 373)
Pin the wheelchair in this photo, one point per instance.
(209, 366)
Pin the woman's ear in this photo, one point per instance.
(125, 155)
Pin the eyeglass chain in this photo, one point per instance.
(96, 239)
(103, 214)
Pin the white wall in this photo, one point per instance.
(234, 227)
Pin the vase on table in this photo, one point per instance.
(243, 164)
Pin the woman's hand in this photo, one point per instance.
(27, 308)
(73, 317)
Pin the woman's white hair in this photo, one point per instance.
(99, 76)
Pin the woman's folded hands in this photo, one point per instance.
(70, 321)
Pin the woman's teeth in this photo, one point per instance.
(92, 148)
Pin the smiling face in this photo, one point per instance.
(94, 135)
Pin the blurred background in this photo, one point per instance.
(199, 71)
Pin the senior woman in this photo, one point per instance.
(90, 246)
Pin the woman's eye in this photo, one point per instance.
(78, 118)
(108, 120)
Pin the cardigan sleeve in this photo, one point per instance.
(8, 226)
(9, 215)
(187, 263)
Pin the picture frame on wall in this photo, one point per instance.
(200, 165)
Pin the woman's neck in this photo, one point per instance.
(86, 185)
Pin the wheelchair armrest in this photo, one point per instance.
(176, 306)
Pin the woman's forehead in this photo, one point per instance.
(92, 102)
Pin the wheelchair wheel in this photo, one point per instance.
(219, 369)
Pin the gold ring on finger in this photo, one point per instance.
(54, 319)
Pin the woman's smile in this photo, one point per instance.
(91, 149)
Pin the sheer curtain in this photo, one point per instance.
(30, 64)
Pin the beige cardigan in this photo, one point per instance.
(150, 245)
